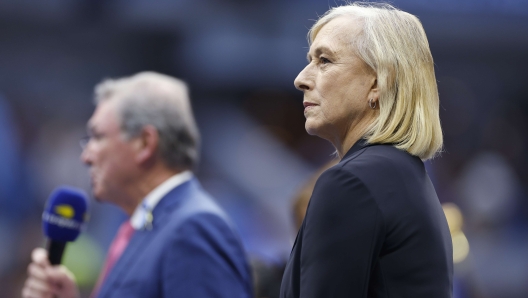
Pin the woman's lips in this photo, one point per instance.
(308, 105)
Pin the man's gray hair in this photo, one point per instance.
(150, 98)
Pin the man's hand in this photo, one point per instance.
(46, 281)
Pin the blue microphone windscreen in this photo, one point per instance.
(65, 214)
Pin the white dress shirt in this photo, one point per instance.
(142, 216)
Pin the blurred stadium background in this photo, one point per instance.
(240, 59)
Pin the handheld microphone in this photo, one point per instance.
(62, 219)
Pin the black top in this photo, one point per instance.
(374, 228)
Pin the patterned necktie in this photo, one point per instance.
(116, 249)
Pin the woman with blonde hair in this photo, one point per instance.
(374, 226)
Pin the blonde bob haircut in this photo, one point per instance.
(393, 43)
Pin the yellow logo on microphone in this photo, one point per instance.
(65, 211)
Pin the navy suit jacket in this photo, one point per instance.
(191, 251)
(374, 228)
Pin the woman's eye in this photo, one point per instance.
(324, 60)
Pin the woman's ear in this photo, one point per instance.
(374, 92)
(148, 142)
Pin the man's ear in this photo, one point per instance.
(148, 142)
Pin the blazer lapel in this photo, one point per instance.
(141, 238)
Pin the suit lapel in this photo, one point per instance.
(142, 238)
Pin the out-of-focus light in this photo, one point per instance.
(455, 221)
(460, 247)
(84, 258)
(453, 216)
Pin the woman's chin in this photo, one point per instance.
(316, 129)
(311, 127)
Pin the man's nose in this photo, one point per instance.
(86, 155)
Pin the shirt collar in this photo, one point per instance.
(143, 213)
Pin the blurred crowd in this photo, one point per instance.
(240, 59)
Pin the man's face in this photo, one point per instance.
(109, 155)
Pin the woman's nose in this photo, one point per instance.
(303, 81)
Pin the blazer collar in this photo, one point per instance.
(360, 144)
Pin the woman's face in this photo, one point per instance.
(336, 83)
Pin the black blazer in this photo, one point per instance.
(374, 228)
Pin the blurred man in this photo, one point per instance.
(142, 146)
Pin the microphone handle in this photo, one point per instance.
(55, 251)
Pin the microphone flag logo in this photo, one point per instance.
(66, 211)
